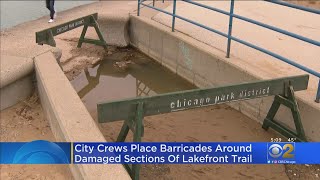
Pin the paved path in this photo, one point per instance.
(20, 40)
(299, 22)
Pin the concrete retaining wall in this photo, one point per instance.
(15, 80)
(205, 66)
(69, 119)
(114, 28)
(16, 92)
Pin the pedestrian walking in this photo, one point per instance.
(50, 6)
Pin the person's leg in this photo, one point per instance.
(55, 12)
(52, 9)
(48, 4)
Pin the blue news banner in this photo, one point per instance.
(44, 152)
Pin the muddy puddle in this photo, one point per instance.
(126, 73)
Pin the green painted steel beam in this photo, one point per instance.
(42, 37)
(183, 100)
(94, 41)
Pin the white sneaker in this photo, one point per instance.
(50, 21)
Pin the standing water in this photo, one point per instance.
(125, 74)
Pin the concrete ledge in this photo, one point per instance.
(114, 28)
(206, 66)
(14, 68)
(69, 119)
(16, 91)
(15, 80)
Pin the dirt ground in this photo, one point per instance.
(211, 124)
(307, 3)
(22, 123)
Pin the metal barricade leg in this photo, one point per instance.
(290, 102)
(135, 123)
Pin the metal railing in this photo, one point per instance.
(230, 37)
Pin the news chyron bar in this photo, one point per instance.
(45, 152)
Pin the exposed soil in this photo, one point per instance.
(212, 124)
(307, 3)
(25, 122)
(304, 171)
(75, 59)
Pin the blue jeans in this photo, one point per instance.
(50, 6)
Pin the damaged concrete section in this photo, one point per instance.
(115, 29)
(68, 117)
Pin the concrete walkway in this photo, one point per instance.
(20, 40)
(299, 22)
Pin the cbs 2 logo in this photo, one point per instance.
(276, 150)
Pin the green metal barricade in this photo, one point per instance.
(133, 110)
(46, 36)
